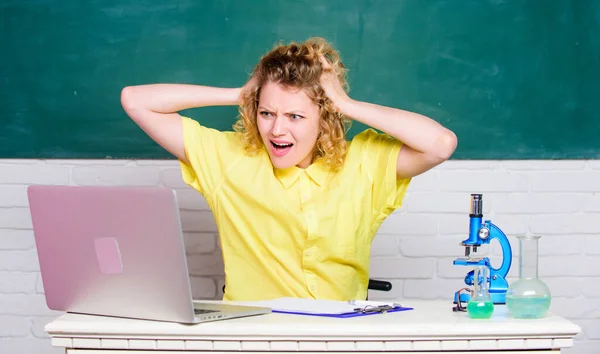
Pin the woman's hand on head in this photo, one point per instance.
(332, 86)
(249, 85)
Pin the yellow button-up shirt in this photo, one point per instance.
(294, 232)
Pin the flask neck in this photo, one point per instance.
(480, 281)
(528, 258)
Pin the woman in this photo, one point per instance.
(296, 205)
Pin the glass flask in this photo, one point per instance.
(480, 305)
(528, 297)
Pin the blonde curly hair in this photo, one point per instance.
(298, 65)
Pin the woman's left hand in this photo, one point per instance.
(333, 88)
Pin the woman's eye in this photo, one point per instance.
(265, 114)
(295, 116)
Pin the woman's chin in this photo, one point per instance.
(282, 162)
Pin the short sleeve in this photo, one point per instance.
(209, 153)
(378, 160)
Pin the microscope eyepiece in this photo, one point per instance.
(476, 205)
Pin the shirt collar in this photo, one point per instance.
(317, 171)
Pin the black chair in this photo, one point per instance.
(379, 285)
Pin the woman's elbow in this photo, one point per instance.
(446, 145)
(127, 99)
(130, 102)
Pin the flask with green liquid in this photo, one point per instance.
(528, 297)
(480, 305)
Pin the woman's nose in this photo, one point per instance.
(279, 126)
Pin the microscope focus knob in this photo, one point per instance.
(484, 233)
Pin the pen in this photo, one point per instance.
(373, 303)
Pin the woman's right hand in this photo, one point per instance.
(250, 85)
(154, 108)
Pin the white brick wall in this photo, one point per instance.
(414, 249)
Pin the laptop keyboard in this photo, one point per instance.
(203, 311)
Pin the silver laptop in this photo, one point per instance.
(118, 251)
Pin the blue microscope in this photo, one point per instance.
(481, 233)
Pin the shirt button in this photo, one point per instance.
(307, 253)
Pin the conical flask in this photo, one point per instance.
(528, 297)
(480, 305)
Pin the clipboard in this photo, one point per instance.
(329, 308)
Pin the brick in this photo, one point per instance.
(447, 270)
(13, 195)
(171, 177)
(544, 165)
(198, 221)
(19, 162)
(38, 324)
(171, 163)
(472, 165)
(16, 239)
(203, 288)
(483, 181)
(452, 224)
(510, 225)
(25, 305)
(577, 307)
(565, 224)
(22, 261)
(28, 345)
(385, 245)
(431, 289)
(415, 246)
(39, 285)
(439, 203)
(14, 326)
(590, 327)
(590, 287)
(567, 286)
(591, 202)
(205, 265)
(38, 173)
(564, 181)
(564, 266)
(592, 245)
(15, 218)
(189, 199)
(540, 203)
(582, 347)
(426, 182)
(89, 162)
(553, 245)
(142, 176)
(17, 282)
(406, 268)
(199, 242)
(409, 224)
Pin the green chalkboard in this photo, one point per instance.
(515, 79)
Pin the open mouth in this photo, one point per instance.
(281, 146)
(280, 149)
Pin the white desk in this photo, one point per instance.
(430, 327)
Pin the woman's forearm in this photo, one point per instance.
(417, 131)
(170, 98)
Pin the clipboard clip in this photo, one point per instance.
(370, 309)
